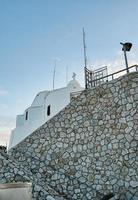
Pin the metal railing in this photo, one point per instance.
(112, 76)
(107, 78)
(96, 75)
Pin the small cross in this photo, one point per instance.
(74, 76)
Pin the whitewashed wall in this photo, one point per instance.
(37, 112)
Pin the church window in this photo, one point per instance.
(48, 110)
(26, 115)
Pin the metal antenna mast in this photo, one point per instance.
(84, 47)
(54, 75)
(85, 59)
(66, 75)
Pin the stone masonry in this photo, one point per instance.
(87, 150)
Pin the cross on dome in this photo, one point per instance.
(74, 76)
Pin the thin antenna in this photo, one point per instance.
(66, 75)
(84, 47)
(54, 74)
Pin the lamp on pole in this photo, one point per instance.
(126, 47)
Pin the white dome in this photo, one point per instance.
(74, 83)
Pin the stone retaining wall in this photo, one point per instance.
(13, 171)
(90, 148)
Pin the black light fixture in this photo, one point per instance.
(126, 47)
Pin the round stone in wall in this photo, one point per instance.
(49, 198)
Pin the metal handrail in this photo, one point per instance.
(112, 75)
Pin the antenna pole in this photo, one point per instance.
(54, 75)
(66, 75)
(85, 58)
(84, 47)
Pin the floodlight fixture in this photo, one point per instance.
(126, 47)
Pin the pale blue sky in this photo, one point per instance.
(35, 32)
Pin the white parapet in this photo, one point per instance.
(16, 191)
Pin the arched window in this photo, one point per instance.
(26, 115)
(48, 110)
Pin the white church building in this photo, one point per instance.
(45, 105)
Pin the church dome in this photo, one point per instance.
(73, 83)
